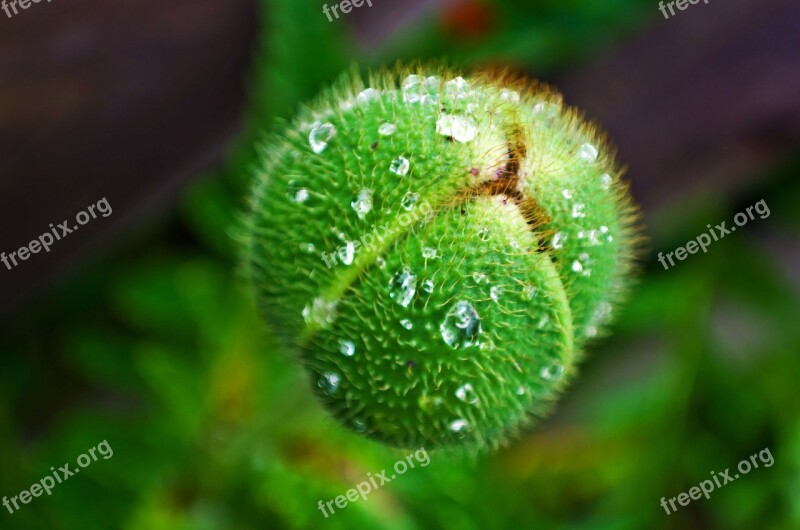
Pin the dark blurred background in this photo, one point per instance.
(138, 329)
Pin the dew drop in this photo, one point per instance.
(320, 135)
(347, 348)
(530, 292)
(479, 277)
(466, 394)
(578, 210)
(520, 391)
(402, 287)
(460, 128)
(587, 152)
(552, 371)
(308, 247)
(461, 326)
(367, 95)
(429, 253)
(320, 312)
(380, 262)
(387, 129)
(509, 95)
(495, 292)
(329, 383)
(300, 196)
(460, 425)
(558, 240)
(359, 425)
(412, 89)
(428, 286)
(576, 266)
(400, 166)
(484, 234)
(363, 203)
(406, 323)
(457, 88)
(566, 193)
(605, 181)
(409, 200)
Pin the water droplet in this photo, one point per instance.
(347, 348)
(546, 111)
(520, 391)
(509, 95)
(367, 95)
(412, 89)
(460, 425)
(406, 323)
(591, 331)
(308, 247)
(359, 425)
(363, 203)
(460, 128)
(587, 152)
(566, 193)
(403, 286)
(543, 322)
(559, 239)
(457, 88)
(479, 277)
(576, 266)
(380, 262)
(466, 394)
(348, 253)
(400, 166)
(484, 234)
(428, 286)
(320, 312)
(552, 371)
(387, 129)
(578, 210)
(409, 200)
(320, 135)
(495, 292)
(432, 89)
(429, 253)
(461, 326)
(301, 196)
(329, 383)
(605, 181)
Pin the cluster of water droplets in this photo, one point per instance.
(461, 326)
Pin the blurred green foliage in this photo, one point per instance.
(158, 350)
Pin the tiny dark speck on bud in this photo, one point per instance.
(374, 145)
(410, 364)
(474, 171)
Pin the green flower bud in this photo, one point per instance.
(438, 250)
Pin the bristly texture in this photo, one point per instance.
(438, 250)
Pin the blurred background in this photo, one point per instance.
(138, 329)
